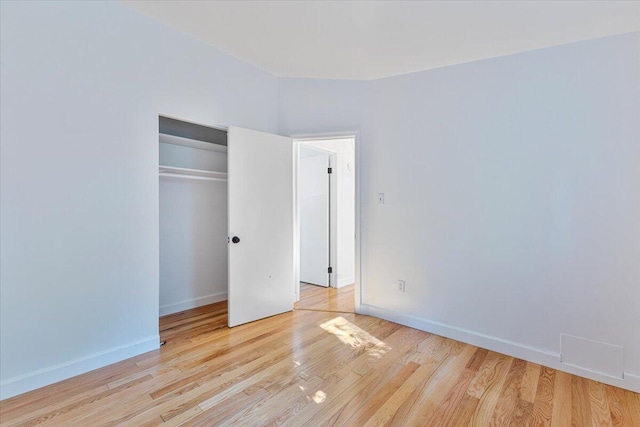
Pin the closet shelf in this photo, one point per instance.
(171, 171)
(193, 143)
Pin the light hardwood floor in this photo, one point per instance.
(314, 297)
(319, 368)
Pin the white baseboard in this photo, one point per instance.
(192, 303)
(628, 381)
(42, 377)
(346, 281)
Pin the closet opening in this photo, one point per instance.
(193, 217)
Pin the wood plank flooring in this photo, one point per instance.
(318, 368)
(314, 297)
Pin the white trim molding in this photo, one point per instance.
(192, 303)
(628, 381)
(52, 374)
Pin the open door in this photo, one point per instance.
(261, 225)
(313, 196)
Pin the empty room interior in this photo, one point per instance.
(306, 213)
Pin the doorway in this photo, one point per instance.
(326, 212)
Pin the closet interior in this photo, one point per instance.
(193, 215)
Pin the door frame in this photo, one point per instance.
(302, 138)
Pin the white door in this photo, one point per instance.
(261, 225)
(313, 196)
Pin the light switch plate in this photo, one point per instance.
(381, 198)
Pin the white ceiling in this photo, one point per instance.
(369, 40)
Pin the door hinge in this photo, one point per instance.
(330, 270)
(329, 170)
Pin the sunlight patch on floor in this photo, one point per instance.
(355, 337)
(319, 397)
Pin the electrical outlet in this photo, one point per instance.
(401, 286)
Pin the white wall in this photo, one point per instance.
(193, 243)
(82, 86)
(345, 171)
(309, 106)
(512, 196)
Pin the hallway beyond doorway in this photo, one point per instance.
(319, 298)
